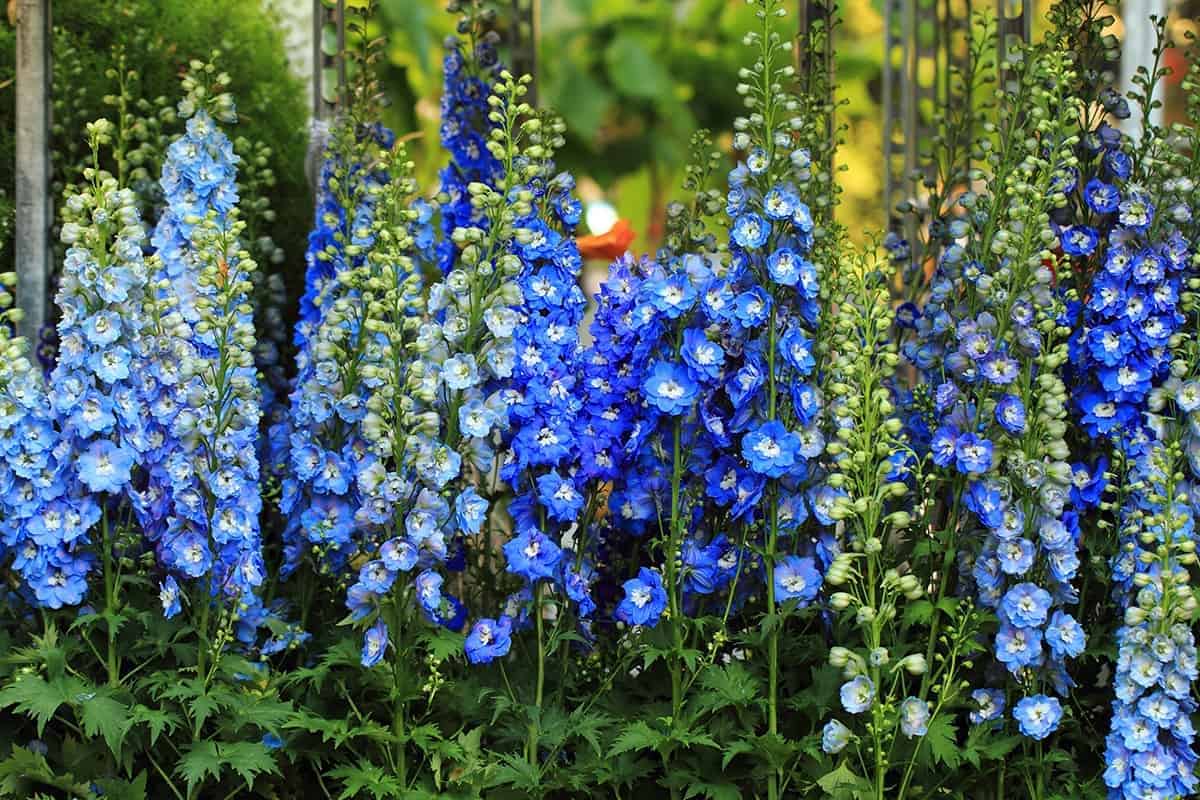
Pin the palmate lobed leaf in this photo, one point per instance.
(727, 685)
(844, 784)
(23, 766)
(637, 736)
(942, 738)
(366, 778)
(107, 716)
(156, 720)
(33, 696)
(208, 758)
(713, 791)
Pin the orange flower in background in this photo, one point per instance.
(609, 245)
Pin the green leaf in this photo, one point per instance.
(248, 759)
(444, 644)
(107, 716)
(634, 70)
(638, 736)
(23, 767)
(714, 791)
(942, 738)
(734, 750)
(115, 789)
(844, 783)
(157, 720)
(518, 773)
(201, 760)
(32, 696)
(821, 695)
(918, 612)
(263, 713)
(366, 777)
(588, 727)
(728, 685)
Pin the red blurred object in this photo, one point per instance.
(1177, 60)
(607, 246)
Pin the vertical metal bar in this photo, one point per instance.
(318, 57)
(343, 92)
(33, 202)
(1013, 24)
(892, 86)
(908, 93)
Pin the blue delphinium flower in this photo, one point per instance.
(645, 599)
(989, 705)
(857, 694)
(321, 437)
(533, 555)
(914, 717)
(834, 737)
(669, 388)
(489, 639)
(797, 578)
(543, 456)
(1131, 308)
(1038, 716)
(375, 644)
(206, 474)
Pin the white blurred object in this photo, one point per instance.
(600, 217)
(1137, 49)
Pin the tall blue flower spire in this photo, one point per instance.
(469, 68)
(202, 501)
(83, 433)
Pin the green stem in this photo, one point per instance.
(676, 621)
(202, 629)
(539, 690)
(110, 602)
(948, 553)
(769, 562)
(398, 705)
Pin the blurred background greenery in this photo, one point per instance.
(633, 79)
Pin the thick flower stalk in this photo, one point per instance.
(321, 438)
(437, 427)
(469, 68)
(726, 430)
(871, 474)
(202, 503)
(991, 347)
(1151, 744)
(84, 433)
(778, 255)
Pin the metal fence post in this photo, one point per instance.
(33, 201)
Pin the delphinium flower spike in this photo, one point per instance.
(469, 68)
(320, 438)
(1151, 742)
(208, 473)
(85, 431)
(991, 349)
